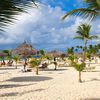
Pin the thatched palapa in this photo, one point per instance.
(55, 53)
(24, 49)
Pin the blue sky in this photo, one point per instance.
(66, 5)
(44, 29)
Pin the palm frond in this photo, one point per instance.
(84, 12)
(79, 37)
(93, 37)
(93, 4)
(10, 8)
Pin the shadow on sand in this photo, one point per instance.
(92, 71)
(55, 70)
(14, 85)
(9, 94)
(19, 94)
(29, 79)
(94, 79)
(7, 68)
(91, 99)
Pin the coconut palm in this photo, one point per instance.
(34, 63)
(79, 68)
(83, 32)
(98, 46)
(72, 58)
(8, 52)
(91, 11)
(16, 59)
(78, 48)
(42, 52)
(70, 53)
(55, 63)
(94, 51)
(89, 53)
(10, 8)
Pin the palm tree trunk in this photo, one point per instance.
(84, 53)
(80, 77)
(89, 63)
(55, 66)
(95, 59)
(37, 70)
(16, 65)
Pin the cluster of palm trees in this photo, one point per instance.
(6, 55)
(10, 8)
(91, 12)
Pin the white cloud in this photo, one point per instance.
(44, 27)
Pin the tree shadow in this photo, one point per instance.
(14, 85)
(94, 79)
(55, 70)
(9, 94)
(91, 99)
(25, 92)
(22, 93)
(7, 68)
(29, 79)
(92, 71)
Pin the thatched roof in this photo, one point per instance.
(55, 53)
(24, 49)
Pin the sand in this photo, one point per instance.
(49, 85)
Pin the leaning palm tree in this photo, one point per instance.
(83, 32)
(10, 8)
(91, 11)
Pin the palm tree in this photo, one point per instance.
(10, 8)
(72, 57)
(94, 51)
(70, 53)
(78, 48)
(34, 63)
(16, 59)
(42, 52)
(55, 63)
(83, 32)
(8, 52)
(98, 46)
(91, 11)
(89, 53)
(79, 68)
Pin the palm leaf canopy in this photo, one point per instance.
(92, 11)
(83, 31)
(10, 8)
(93, 37)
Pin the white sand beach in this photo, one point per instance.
(49, 85)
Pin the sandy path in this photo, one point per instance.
(49, 85)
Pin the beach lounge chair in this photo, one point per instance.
(43, 66)
(10, 63)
